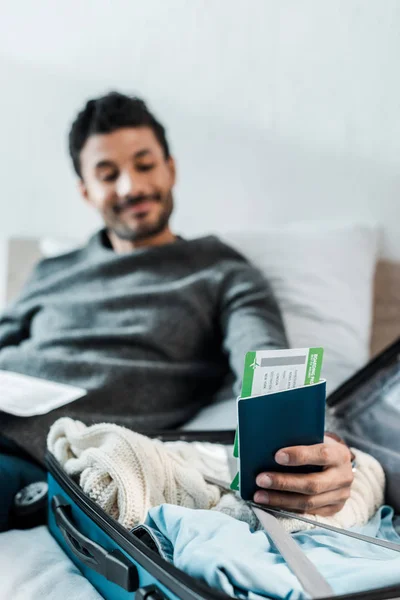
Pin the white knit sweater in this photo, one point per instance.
(127, 473)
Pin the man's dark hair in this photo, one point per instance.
(107, 114)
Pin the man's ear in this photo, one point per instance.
(83, 190)
(172, 170)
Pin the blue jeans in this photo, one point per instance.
(16, 471)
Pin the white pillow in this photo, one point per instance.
(51, 247)
(322, 276)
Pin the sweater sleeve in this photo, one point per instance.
(250, 318)
(15, 321)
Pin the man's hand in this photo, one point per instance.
(323, 493)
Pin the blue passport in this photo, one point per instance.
(267, 423)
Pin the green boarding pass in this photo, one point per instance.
(269, 371)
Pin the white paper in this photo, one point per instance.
(25, 396)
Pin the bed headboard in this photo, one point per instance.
(22, 255)
(386, 309)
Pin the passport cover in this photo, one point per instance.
(270, 422)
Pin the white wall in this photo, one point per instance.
(277, 110)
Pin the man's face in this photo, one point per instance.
(127, 178)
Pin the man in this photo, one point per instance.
(160, 322)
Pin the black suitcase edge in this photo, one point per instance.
(382, 360)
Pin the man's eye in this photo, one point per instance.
(146, 167)
(108, 176)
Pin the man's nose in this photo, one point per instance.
(131, 184)
(126, 184)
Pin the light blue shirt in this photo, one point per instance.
(229, 556)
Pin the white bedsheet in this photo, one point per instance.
(33, 567)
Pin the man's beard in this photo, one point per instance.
(145, 230)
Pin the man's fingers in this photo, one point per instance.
(308, 484)
(329, 502)
(326, 454)
(323, 493)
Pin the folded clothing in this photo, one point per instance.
(231, 557)
(127, 473)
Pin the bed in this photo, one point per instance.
(367, 285)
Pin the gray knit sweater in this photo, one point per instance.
(162, 330)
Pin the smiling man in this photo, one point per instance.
(128, 176)
(157, 323)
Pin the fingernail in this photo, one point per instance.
(264, 481)
(282, 458)
(261, 497)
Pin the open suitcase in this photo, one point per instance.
(122, 566)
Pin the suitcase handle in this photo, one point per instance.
(114, 565)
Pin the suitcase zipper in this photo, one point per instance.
(223, 485)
